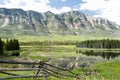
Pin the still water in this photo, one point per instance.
(103, 54)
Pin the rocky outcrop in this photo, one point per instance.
(18, 21)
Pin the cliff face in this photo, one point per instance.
(18, 21)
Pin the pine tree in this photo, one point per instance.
(1, 46)
(105, 43)
(12, 44)
(16, 46)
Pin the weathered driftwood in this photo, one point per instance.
(17, 62)
(18, 69)
(30, 76)
(43, 70)
(8, 73)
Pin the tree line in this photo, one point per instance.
(105, 43)
(49, 43)
(9, 45)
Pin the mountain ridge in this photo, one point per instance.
(18, 22)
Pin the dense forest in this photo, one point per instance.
(9, 45)
(105, 43)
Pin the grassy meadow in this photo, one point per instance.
(57, 37)
(32, 49)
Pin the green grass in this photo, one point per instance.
(53, 37)
(45, 52)
(57, 37)
(109, 70)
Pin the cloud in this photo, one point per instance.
(65, 9)
(64, 0)
(36, 5)
(103, 8)
(92, 5)
(106, 8)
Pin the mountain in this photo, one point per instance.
(20, 22)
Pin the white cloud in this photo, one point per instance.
(92, 4)
(107, 8)
(36, 5)
(65, 9)
(64, 0)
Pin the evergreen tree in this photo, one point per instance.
(12, 44)
(16, 44)
(1, 46)
(105, 43)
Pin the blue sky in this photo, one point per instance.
(61, 3)
(98, 8)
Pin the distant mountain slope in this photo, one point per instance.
(18, 22)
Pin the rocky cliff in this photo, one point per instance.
(18, 21)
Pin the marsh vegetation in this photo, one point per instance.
(89, 63)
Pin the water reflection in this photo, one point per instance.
(104, 55)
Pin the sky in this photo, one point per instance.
(98, 8)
